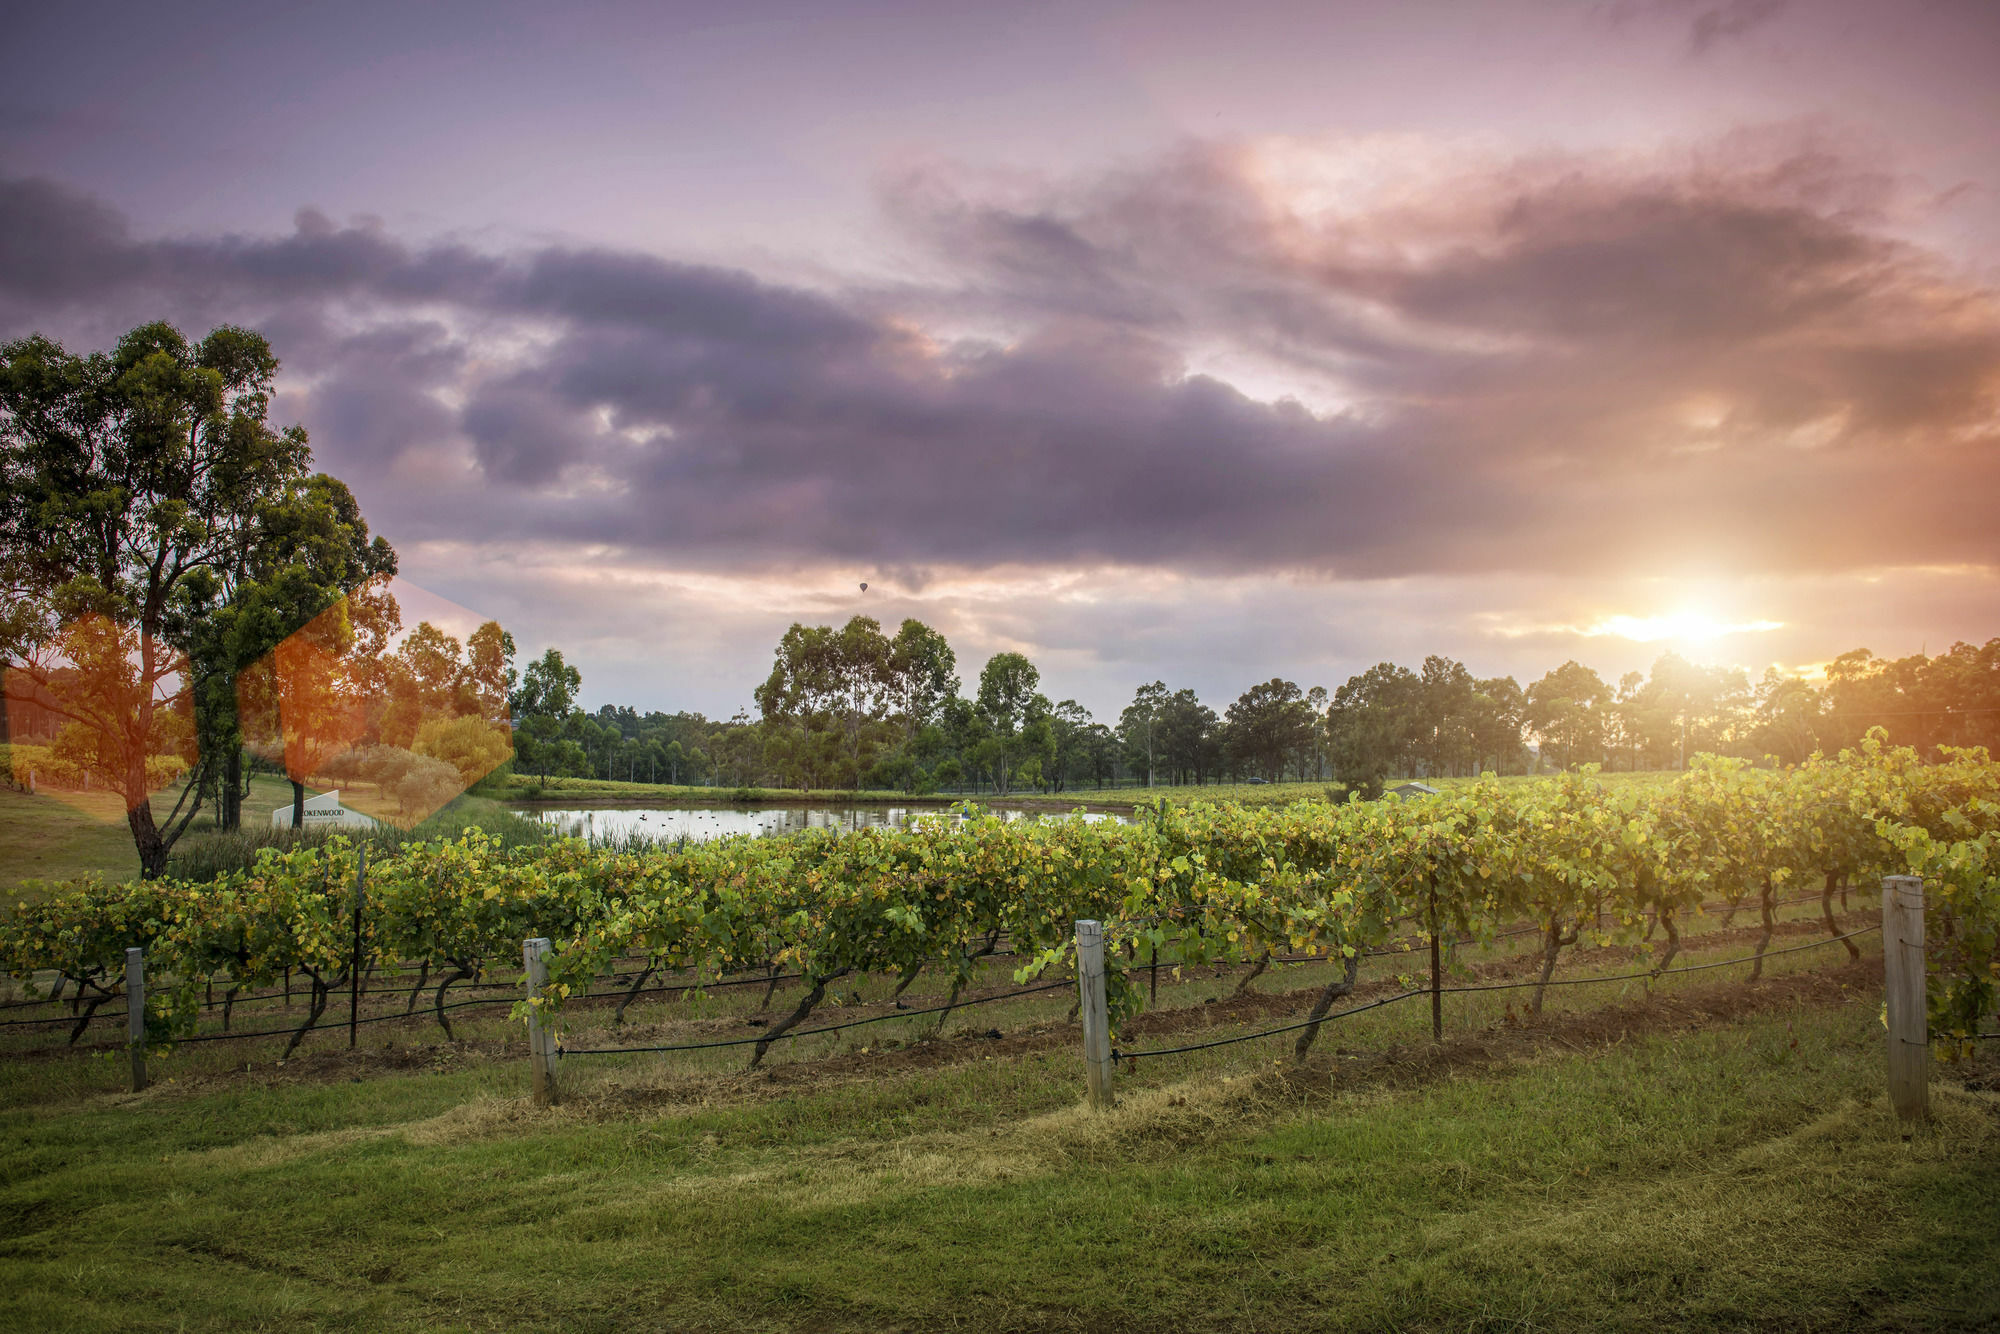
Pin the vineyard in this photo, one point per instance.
(831, 1081)
(984, 910)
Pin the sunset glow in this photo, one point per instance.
(1681, 627)
(1147, 341)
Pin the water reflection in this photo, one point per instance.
(617, 823)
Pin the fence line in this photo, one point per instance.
(1117, 1055)
(826, 1028)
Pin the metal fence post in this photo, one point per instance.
(541, 1032)
(1096, 1014)
(1903, 987)
(135, 1014)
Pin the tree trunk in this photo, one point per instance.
(88, 1009)
(319, 995)
(1826, 911)
(232, 790)
(1333, 992)
(1553, 941)
(618, 1015)
(298, 804)
(146, 838)
(1673, 939)
(423, 976)
(1770, 925)
(791, 1021)
(1263, 962)
(459, 974)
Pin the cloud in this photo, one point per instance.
(1715, 24)
(1710, 25)
(1725, 355)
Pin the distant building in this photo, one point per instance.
(323, 812)
(1415, 790)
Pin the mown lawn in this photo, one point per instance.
(58, 837)
(1736, 1174)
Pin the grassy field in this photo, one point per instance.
(516, 787)
(50, 837)
(528, 788)
(1281, 794)
(1711, 1154)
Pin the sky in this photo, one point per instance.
(1155, 341)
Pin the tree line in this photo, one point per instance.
(857, 707)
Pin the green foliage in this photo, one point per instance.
(1186, 885)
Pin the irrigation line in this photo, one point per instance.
(1117, 1055)
(374, 1019)
(809, 1032)
(1660, 972)
(103, 1013)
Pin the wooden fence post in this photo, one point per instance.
(354, 962)
(541, 1032)
(1437, 976)
(135, 1014)
(1096, 1014)
(1903, 985)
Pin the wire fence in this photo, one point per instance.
(108, 1008)
(1118, 1055)
(824, 1028)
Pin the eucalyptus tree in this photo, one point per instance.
(138, 488)
(827, 691)
(1269, 724)
(1566, 709)
(1016, 718)
(922, 675)
(543, 706)
(1139, 724)
(1372, 724)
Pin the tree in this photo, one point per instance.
(1317, 700)
(1444, 722)
(1268, 723)
(541, 706)
(923, 674)
(135, 484)
(826, 691)
(1014, 713)
(1372, 724)
(1498, 704)
(1139, 723)
(1566, 708)
(1788, 718)
(311, 548)
(1190, 736)
(1070, 728)
(309, 700)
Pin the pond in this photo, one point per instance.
(668, 823)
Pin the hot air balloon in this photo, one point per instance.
(864, 588)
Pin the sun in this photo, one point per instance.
(1689, 626)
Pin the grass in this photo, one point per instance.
(528, 787)
(58, 837)
(1715, 1157)
(46, 837)
(1283, 794)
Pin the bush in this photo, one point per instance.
(51, 768)
(470, 745)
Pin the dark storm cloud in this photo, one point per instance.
(1549, 364)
